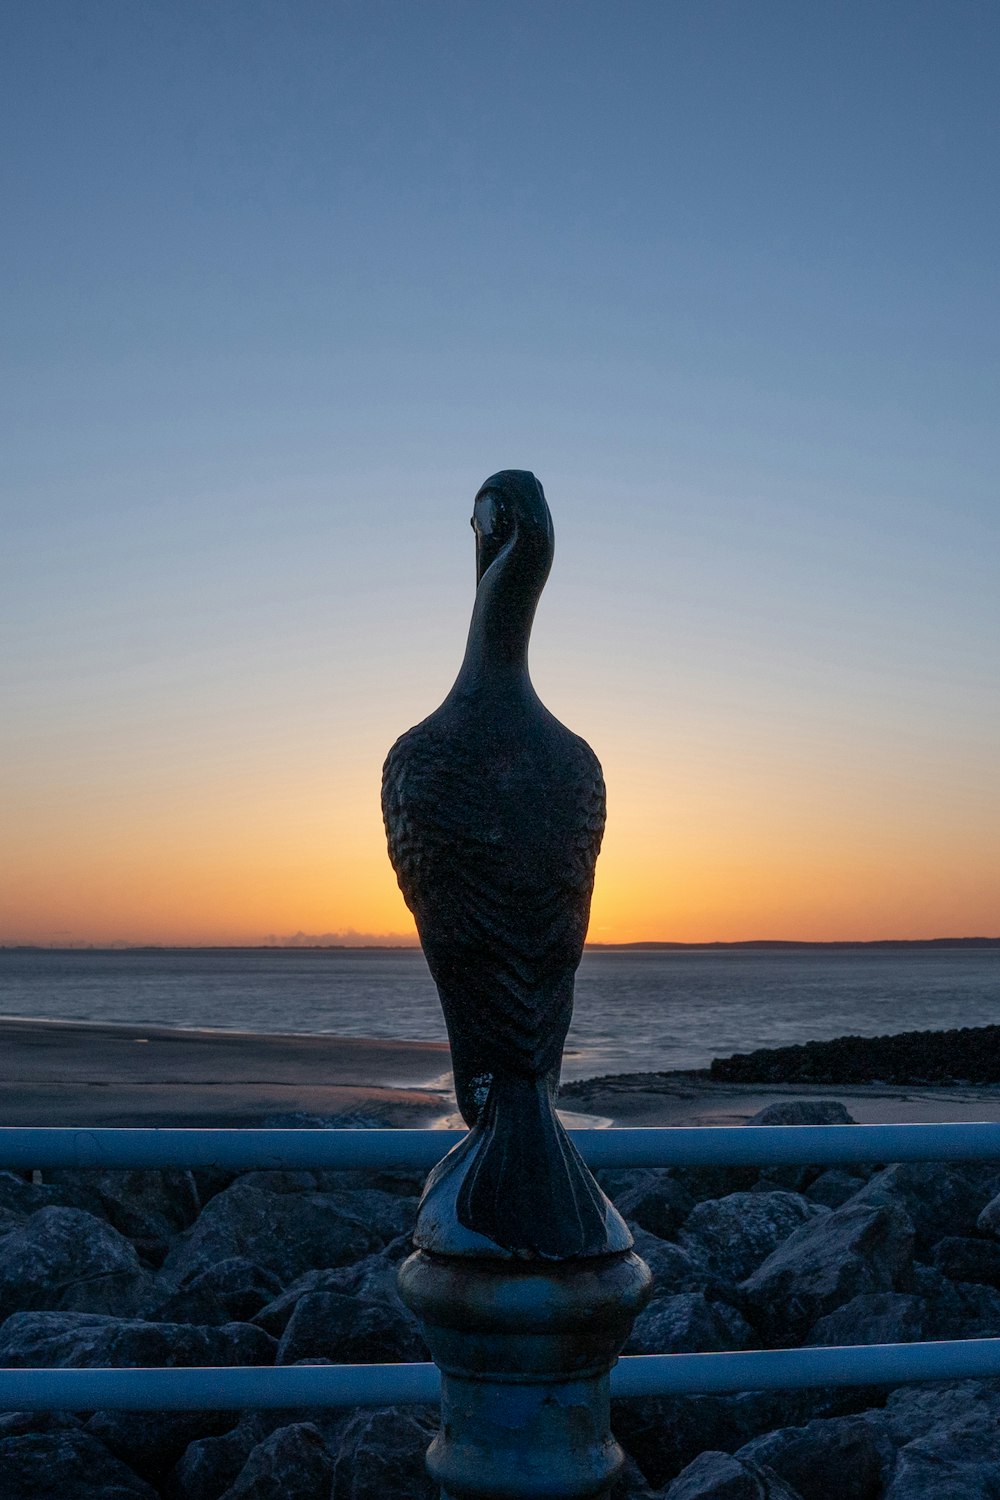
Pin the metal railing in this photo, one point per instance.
(236, 1388)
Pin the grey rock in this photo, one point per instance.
(939, 1197)
(962, 1258)
(17, 1423)
(210, 1465)
(875, 1318)
(240, 1285)
(63, 1258)
(720, 1476)
(855, 1249)
(65, 1465)
(22, 1198)
(803, 1112)
(656, 1201)
(980, 1315)
(151, 1442)
(149, 1207)
(348, 1330)
(913, 1411)
(286, 1232)
(857, 1449)
(716, 1182)
(734, 1235)
(382, 1454)
(167, 1303)
(663, 1434)
(71, 1340)
(688, 1324)
(956, 1462)
(373, 1277)
(988, 1221)
(675, 1268)
(833, 1187)
(293, 1461)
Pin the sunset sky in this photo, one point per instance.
(284, 282)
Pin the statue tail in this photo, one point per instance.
(518, 1180)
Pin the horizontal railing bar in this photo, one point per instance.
(791, 1369)
(222, 1388)
(245, 1387)
(25, 1147)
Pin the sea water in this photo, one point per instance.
(635, 1010)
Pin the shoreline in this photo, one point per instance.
(92, 1073)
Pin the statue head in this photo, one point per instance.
(509, 507)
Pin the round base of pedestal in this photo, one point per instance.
(525, 1351)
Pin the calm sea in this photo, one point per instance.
(634, 1011)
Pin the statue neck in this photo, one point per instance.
(496, 656)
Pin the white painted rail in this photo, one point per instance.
(26, 1147)
(241, 1387)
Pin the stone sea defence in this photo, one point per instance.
(970, 1054)
(203, 1268)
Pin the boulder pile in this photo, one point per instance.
(206, 1268)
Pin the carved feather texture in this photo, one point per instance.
(494, 845)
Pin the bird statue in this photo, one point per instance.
(494, 813)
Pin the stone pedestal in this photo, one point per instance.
(525, 1349)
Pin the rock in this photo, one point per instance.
(286, 1232)
(656, 1201)
(21, 1198)
(293, 1461)
(719, 1476)
(17, 1423)
(988, 1221)
(687, 1324)
(716, 1182)
(961, 1258)
(959, 1461)
(734, 1235)
(349, 1330)
(875, 1318)
(148, 1207)
(795, 1179)
(63, 1258)
(675, 1268)
(940, 1198)
(663, 1434)
(833, 1187)
(980, 1314)
(803, 1112)
(857, 1449)
(374, 1277)
(240, 1285)
(72, 1340)
(65, 1465)
(382, 1454)
(167, 1303)
(912, 1411)
(151, 1442)
(210, 1465)
(855, 1249)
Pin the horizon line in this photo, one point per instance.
(406, 946)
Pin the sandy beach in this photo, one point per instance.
(73, 1073)
(69, 1073)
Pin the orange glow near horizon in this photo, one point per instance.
(693, 853)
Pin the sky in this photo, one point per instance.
(283, 283)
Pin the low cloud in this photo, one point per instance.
(348, 938)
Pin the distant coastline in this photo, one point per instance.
(748, 944)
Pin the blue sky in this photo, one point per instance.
(284, 282)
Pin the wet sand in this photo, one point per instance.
(72, 1073)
